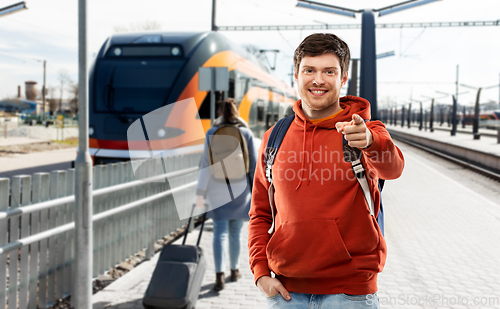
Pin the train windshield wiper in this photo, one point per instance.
(109, 102)
(109, 92)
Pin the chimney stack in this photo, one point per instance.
(18, 92)
(31, 91)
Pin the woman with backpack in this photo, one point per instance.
(225, 182)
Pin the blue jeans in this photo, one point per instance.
(330, 301)
(221, 230)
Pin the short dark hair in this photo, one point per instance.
(318, 44)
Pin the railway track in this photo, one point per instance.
(492, 174)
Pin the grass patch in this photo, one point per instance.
(73, 141)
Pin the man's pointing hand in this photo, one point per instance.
(356, 132)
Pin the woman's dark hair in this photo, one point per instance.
(228, 109)
(318, 44)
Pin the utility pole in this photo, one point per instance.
(44, 89)
(352, 88)
(421, 117)
(62, 92)
(403, 116)
(431, 120)
(409, 115)
(453, 131)
(464, 110)
(368, 70)
(456, 88)
(475, 124)
(214, 27)
(81, 297)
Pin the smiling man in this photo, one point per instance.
(320, 246)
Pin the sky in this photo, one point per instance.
(425, 59)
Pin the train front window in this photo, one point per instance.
(134, 85)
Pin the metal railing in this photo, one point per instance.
(131, 212)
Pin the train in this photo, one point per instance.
(484, 117)
(135, 74)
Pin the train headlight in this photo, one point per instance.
(176, 51)
(91, 131)
(117, 51)
(161, 133)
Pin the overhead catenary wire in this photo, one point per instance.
(418, 37)
(38, 27)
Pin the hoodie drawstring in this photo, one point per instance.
(303, 154)
(311, 156)
(303, 151)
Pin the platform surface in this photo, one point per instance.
(443, 243)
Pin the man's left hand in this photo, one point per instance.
(356, 132)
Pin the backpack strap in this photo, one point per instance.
(380, 216)
(273, 144)
(353, 155)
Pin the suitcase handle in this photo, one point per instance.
(189, 223)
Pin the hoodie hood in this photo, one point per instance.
(350, 105)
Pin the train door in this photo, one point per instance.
(204, 110)
(281, 108)
(232, 91)
(240, 86)
(269, 115)
(261, 117)
(272, 114)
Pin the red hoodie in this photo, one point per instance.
(325, 240)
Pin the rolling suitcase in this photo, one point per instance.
(177, 278)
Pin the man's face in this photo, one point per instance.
(319, 80)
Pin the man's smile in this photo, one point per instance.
(318, 92)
